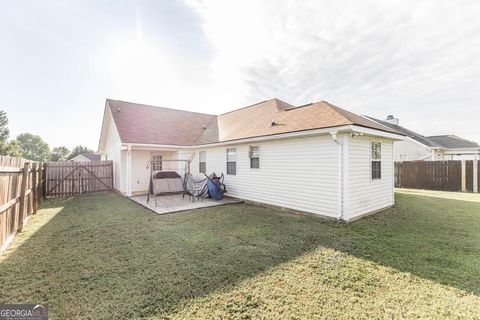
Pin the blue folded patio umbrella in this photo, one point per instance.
(215, 189)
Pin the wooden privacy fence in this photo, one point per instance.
(20, 194)
(70, 178)
(453, 175)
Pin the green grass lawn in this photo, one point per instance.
(102, 256)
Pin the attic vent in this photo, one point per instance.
(274, 124)
(119, 110)
(204, 128)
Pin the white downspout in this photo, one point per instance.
(129, 170)
(341, 200)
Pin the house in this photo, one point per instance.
(315, 158)
(418, 147)
(83, 157)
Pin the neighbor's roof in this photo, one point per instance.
(444, 141)
(91, 156)
(138, 123)
(415, 136)
(453, 142)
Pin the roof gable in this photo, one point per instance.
(79, 158)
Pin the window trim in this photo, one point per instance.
(154, 164)
(230, 163)
(257, 156)
(373, 160)
(204, 161)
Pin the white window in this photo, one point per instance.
(232, 161)
(157, 162)
(376, 160)
(202, 162)
(254, 157)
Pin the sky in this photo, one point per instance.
(417, 60)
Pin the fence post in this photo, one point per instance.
(44, 180)
(39, 183)
(475, 176)
(464, 175)
(112, 183)
(34, 188)
(23, 191)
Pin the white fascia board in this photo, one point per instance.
(462, 151)
(305, 133)
(103, 131)
(377, 133)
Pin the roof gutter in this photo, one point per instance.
(465, 149)
(245, 140)
(304, 133)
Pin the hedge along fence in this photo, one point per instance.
(21, 189)
(453, 175)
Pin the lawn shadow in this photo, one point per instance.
(105, 255)
(431, 237)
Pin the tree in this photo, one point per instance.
(32, 147)
(4, 133)
(79, 150)
(13, 149)
(59, 154)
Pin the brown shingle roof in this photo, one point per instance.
(257, 120)
(137, 123)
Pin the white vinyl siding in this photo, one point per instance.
(113, 152)
(364, 194)
(297, 173)
(140, 173)
(408, 150)
(303, 173)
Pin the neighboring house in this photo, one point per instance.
(316, 158)
(86, 157)
(418, 147)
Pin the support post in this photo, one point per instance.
(23, 191)
(464, 176)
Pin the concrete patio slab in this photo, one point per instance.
(175, 203)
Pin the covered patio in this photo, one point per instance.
(176, 203)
